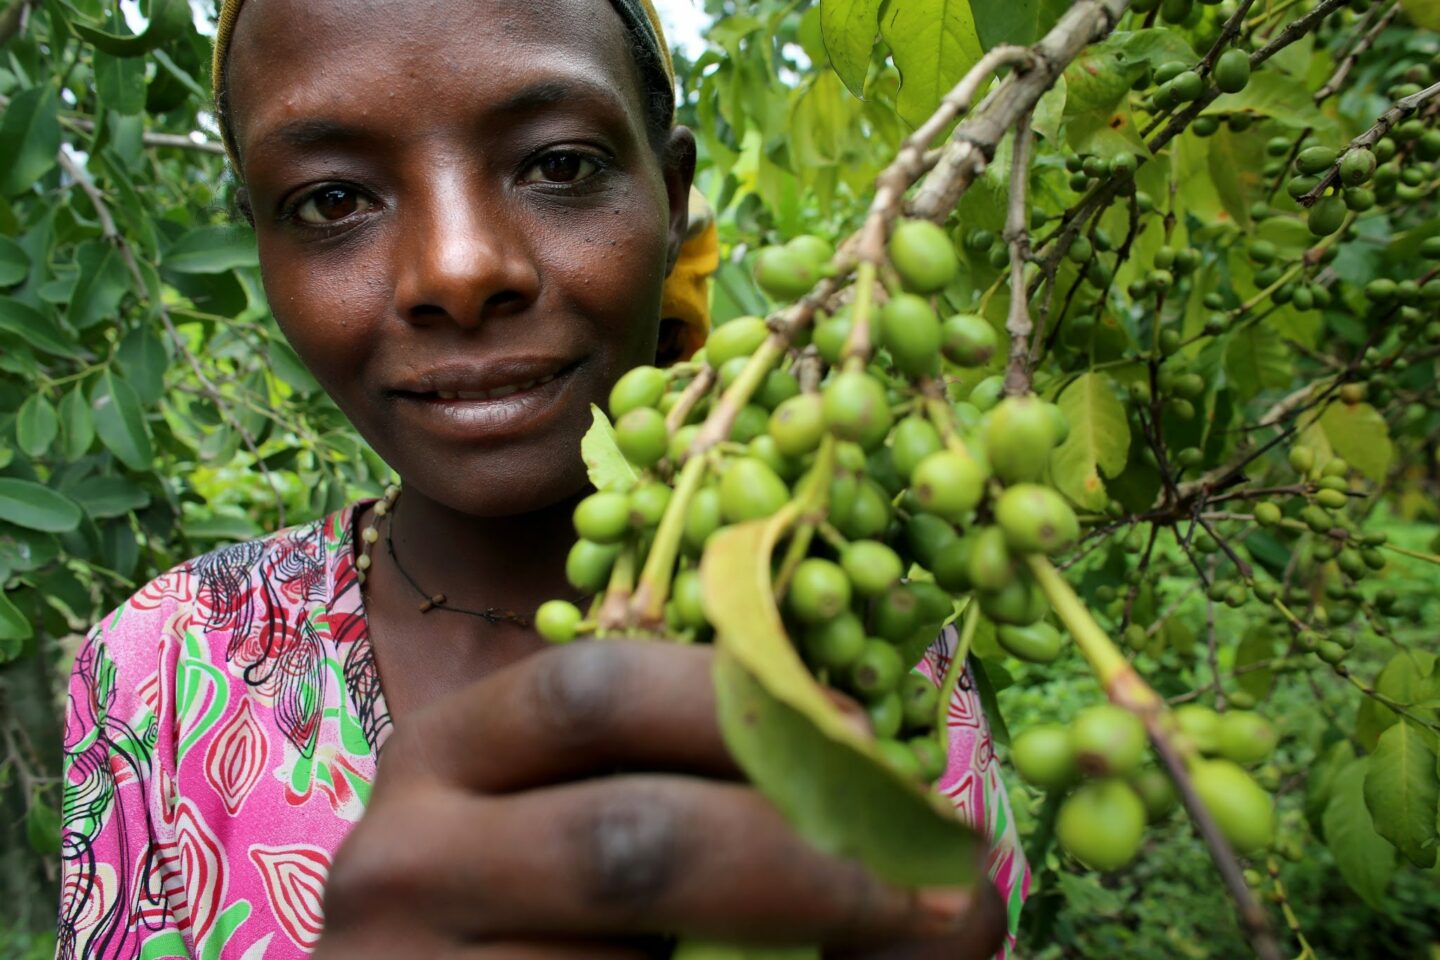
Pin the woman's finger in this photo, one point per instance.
(628, 855)
(567, 713)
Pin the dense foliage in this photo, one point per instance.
(1227, 233)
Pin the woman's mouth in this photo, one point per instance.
(457, 410)
(496, 393)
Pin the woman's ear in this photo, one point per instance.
(679, 172)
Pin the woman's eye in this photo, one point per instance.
(561, 168)
(330, 204)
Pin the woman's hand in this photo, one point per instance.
(582, 798)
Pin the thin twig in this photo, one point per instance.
(1366, 41)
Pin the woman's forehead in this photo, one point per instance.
(297, 58)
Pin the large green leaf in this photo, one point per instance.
(1359, 434)
(14, 262)
(29, 138)
(212, 250)
(120, 81)
(1257, 646)
(168, 19)
(1099, 441)
(1255, 360)
(796, 746)
(1402, 792)
(1366, 859)
(14, 628)
(35, 506)
(933, 44)
(849, 28)
(120, 421)
(607, 466)
(1409, 678)
(34, 328)
(1015, 21)
(36, 425)
(106, 497)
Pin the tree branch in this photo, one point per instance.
(1017, 234)
(1363, 44)
(1401, 109)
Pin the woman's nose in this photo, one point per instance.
(463, 258)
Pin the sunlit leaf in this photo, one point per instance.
(607, 466)
(1099, 441)
(933, 44)
(849, 28)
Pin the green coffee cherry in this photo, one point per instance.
(856, 408)
(642, 437)
(557, 620)
(1101, 824)
(922, 255)
(1232, 71)
(834, 644)
(1018, 438)
(603, 517)
(640, 387)
(750, 490)
(1044, 756)
(877, 671)
(798, 424)
(588, 564)
(819, 590)
(911, 332)
(968, 340)
(1108, 741)
(873, 568)
(948, 484)
(1036, 519)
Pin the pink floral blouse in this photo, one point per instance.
(221, 738)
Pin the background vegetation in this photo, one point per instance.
(149, 408)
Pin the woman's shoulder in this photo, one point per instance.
(232, 591)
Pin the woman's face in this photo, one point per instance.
(463, 228)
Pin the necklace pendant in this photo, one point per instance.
(431, 603)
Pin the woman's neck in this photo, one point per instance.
(508, 563)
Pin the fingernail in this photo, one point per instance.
(944, 909)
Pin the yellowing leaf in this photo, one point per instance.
(1099, 441)
(1422, 13)
(1359, 435)
(934, 44)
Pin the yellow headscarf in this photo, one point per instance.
(686, 294)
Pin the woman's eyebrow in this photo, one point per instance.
(308, 132)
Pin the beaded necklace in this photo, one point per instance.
(385, 507)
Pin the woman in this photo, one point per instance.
(466, 211)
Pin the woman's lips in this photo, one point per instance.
(501, 413)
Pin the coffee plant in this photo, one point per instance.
(1100, 336)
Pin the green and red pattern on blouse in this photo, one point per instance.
(222, 734)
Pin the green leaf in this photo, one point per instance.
(1257, 646)
(103, 283)
(1255, 360)
(120, 81)
(1320, 783)
(143, 360)
(286, 364)
(42, 828)
(849, 28)
(168, 19)
(933, 44)
(1366, 859)
(78, 423)
(34, 328)
(120, 422)
(106, 497)
(1403, 794)
(606, 465)
(29, 138)
(14, 262)
(14, 628)
(1409, 678)
(794, 744)
(35, 506)
(1423, 13)
(1015, 21)
(1099, 441)
(1284, 99)
(36, 425)
(1359, 435)
(214, 249)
